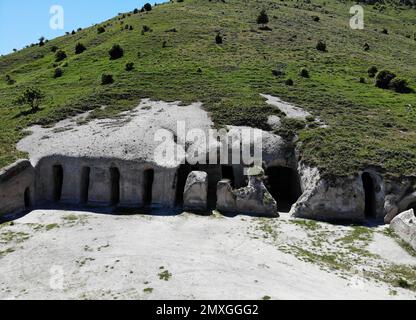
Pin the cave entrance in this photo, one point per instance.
(28, 202)
(370, 195)
(58, 179)
(228, 173)
(412, 206)
(85, 184)
(148, 178)
(284, 186)
(115, 185)
(181, 176)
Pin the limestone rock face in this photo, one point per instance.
(195, 195)
(253, 199)
(256, 199)
(226, 199)
(404, 225)
(341, 199)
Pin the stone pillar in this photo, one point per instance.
(71, 186)
(100, 186)
(131, 189)
(195, 195)
(225, 197)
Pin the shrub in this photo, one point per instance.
(304, 73)
(366, 47)
(54, 49)
(316, 18)
(107, 79)
(129, 66)
(116, 52)
(136, 11)
(400, 85)
(41, 41)
(147, 7)
(9, 80)
(218, 39)
(60, 55)
(145, 29)
(384, 78)
(362, 80)
(289, 82)
(385, 31)
(31, 97)
(263, 18)
(79, 48)
(372, 71)
(57, 73)
(321, 46)
(100, 30)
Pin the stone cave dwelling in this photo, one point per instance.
(98, 164)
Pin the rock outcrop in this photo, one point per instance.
(195, 195)
(253, 199)
(404, 225)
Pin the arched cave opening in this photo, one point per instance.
(369, 195)
(85, 184)
(284, 185)
(148, 178)
(228, 173)
(27, 199)
(115, 185)
(58, 179)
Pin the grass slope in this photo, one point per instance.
(367, 125)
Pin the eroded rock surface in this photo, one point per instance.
(404, 225)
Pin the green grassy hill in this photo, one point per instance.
(180, 60)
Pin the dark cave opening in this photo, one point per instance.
(148, 178)
(369, 195)
(115, 185)
(58, 179)
(284, 185)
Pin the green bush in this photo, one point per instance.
(218, 39)
(107, 79)
(54, 49)
(31, 97)
(372, 71)
(289, 82)
(383, 79)
(116, 52)
(263, 18)
(57, 73)
(79, 48)
(9, 80)
(147, 7)
(60, 55)
(100, 30)
(304, 73)
(129, 66)
(321, 46)
(400, 85)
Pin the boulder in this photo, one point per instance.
(253, 199)
(226, 199)
(404, 225)
(195, 195)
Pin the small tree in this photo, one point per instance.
(58, 73)
(304, 73)
(321, 46)
(41, 41)
(31, 97)
(218, 39)
(147, 7)
(107, 79)
(79, 48)
(384, 78)
(100, 30)
(60, 55)
(263, 18)
(400, 85)
(372, 71)
(116, 52)
(129, 66)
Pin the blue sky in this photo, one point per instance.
(24, 21)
